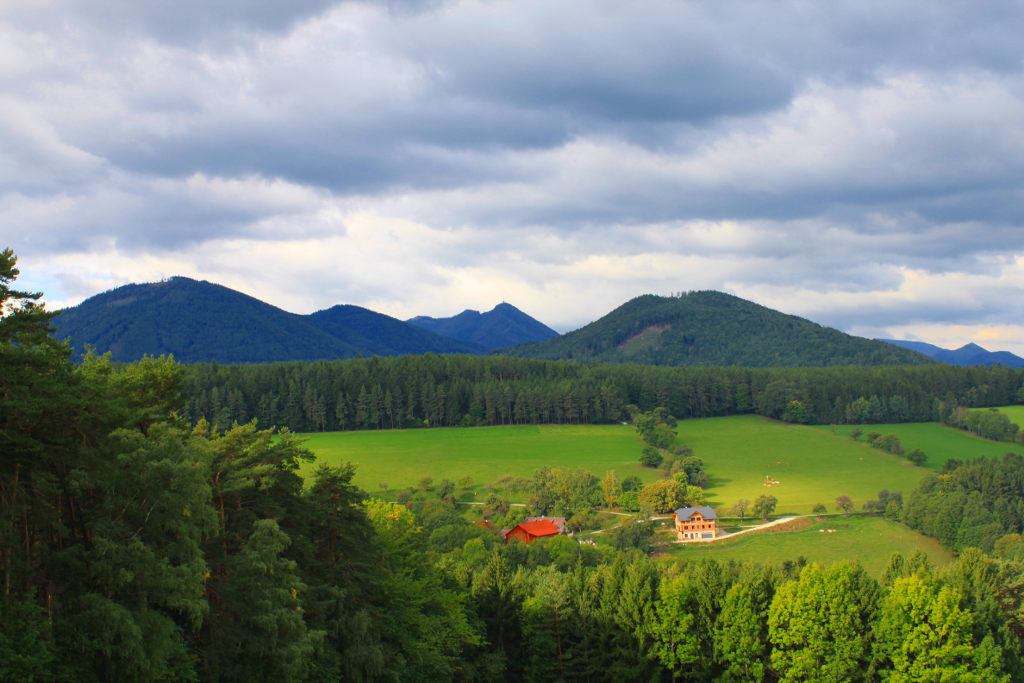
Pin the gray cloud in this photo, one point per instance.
(782, 145)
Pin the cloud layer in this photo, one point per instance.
(858, 163)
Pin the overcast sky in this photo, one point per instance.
(857, 163)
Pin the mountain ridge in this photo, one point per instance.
(712, 328)
(504, 325)
(197, 321)
(968, 354)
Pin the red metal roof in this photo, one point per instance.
(540, 528)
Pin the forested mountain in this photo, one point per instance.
(712, 328)
(201, 321)
(504, 325)
(969, 354)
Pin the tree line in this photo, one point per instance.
(448, 391)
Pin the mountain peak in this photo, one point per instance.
(503, 325)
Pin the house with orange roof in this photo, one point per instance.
(696, 524)
(528, 532)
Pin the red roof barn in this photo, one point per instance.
(528, 532)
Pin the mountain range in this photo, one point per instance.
(504, 325)
(969, 354)
(198, 321)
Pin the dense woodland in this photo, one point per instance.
(414, 391)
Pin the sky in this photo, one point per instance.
(859, 163)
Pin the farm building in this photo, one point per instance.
(528, 532)
(557, 521)
(695, 524)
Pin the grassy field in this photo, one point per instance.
(1015, 413)
(401, 457)
(939, 442)
(738, 453)
(868, 539)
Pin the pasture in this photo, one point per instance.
(871, 540)
(939, 442)
(400, 457)
(1015, 413)
(738, 453)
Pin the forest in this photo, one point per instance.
(445, 391)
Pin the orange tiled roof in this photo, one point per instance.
(539, 528)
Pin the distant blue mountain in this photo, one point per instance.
(971, 354)
(200, 321)
(504, 325)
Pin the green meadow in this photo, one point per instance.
(1015, 413)
(939, 442)
(738, 453)
(816, 466)
(871, 540)
(400, 457)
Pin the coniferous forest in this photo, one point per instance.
(413, 391)
(137, 546)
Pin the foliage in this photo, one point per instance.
(819, 625)
(764, 506)
(664, 496)
(973, 505)
(650, 457)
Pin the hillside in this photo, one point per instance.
(200, 321)
(712, 328)
(969, 354)
(504, 325)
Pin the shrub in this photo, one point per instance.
(650, 457)
(855, 433)
(820, 509)
(872, 435)
(917, 456)
(887, 442)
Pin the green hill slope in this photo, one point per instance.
(200, 322)
(712, 328)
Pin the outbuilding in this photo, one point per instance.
(528, 532)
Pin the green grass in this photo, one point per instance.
(738, 452)
(1015, 413)
(939, 442)
(735, 451)
(868, 539)
(401, 457)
